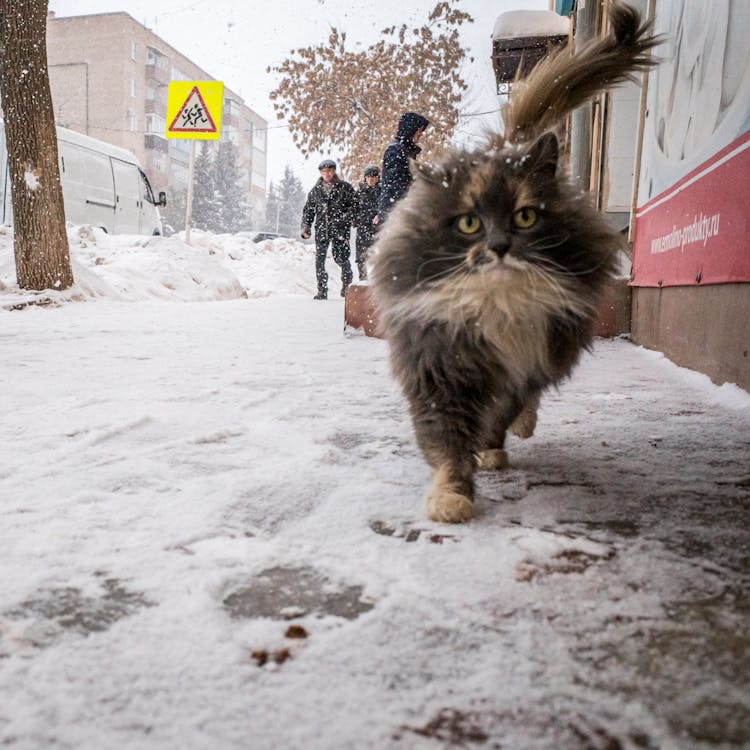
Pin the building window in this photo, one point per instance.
(134, 51)
(178, 75)
(156, 58)
(132, 121)
(156, 125)
(180, 146)
(259, 139)
(132, 87)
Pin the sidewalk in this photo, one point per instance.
(182, 483)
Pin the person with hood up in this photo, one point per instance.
(396, 177)
(330, 205)
(368, 196)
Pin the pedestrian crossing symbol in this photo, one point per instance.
(194, 109)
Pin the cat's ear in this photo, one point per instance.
(544, 154)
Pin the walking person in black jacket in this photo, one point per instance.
(330, 206)
(396, 177)
(365, 218)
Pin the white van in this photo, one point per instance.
(102, 185)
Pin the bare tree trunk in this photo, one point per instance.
(41, 243)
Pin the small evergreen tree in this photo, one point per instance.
(232, 210)
(291, 197)
(205, 205)
(173, 214)
(272, 207)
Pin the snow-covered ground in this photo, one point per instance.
(194, 459)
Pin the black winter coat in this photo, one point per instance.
(395, 175)
(332, 214)
(367, 206)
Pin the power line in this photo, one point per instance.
(93, 126)
(478, 114)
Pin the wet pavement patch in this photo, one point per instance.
(68, 608)
(349, 441)
(523, 727)
(366, 445)
(453, 726)
(408, 533)
(609, 528)
(564, 563)
(692, 666)
(276, 591)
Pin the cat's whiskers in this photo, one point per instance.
(443, 273)
(559, 297)
(545, 243)
(562, 270)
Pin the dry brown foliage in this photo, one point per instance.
(346, 104)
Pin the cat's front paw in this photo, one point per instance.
(447, 506)
(525, 423)
(492, 460)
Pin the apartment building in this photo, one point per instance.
(109, 77)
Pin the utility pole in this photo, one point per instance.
(189, 202)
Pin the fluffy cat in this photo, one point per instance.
(488, 274)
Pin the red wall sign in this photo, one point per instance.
(697, 231)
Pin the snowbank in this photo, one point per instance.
(134, 267)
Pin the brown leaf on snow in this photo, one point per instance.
(295, 631)
(260, 657)
(281, 655)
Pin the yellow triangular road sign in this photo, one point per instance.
(194, 109)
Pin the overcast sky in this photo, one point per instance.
(235, 42)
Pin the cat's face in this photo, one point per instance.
(495, 217)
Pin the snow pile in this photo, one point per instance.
(523, 23)
(134, 267)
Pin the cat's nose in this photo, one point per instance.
(498, 243)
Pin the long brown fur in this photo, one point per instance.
(561, 82)
(489, 273)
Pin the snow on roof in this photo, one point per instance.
(521, 23)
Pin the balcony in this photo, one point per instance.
(156, 142)
(155, 107)
(157, 73)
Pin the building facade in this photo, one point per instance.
(109, 77)
(691, 244)
(669, 162)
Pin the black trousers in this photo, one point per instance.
(340, 251)
(365, 237)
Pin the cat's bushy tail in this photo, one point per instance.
(561, 82)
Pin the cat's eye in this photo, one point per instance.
(468, 224)
(525, 218)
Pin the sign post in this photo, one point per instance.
(194, 112)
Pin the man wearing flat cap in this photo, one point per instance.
(330, 207)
